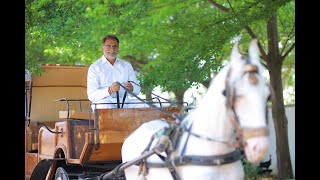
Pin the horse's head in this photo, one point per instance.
(246, 100)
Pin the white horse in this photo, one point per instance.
(231, 113)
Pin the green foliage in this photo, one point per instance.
(172, 44)
(251, 170)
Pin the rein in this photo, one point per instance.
(174, 115)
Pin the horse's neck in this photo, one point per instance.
(209, 118)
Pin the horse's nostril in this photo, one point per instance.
(254, 148)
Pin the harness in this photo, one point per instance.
(170, 139)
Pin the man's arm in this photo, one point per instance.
(94, 91)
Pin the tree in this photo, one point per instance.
(274, 57)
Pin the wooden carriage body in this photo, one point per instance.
(87, 139)
(95, 139)
(66, 135)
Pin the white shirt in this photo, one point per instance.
(101, 75)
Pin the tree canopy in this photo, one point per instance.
(183, 40)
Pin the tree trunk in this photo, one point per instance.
(274, 64)
(179, 96)
(148, 95)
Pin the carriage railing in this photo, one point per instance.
(79, 103)
(153, 101)
(150, 101)
(93, 116)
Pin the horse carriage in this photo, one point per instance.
(84, 144)
(206, 142)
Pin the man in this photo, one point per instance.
(105, 74)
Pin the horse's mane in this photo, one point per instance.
(212, 104)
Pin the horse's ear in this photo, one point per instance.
(254, 50)
(235, 52)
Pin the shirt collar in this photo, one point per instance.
(104, 60)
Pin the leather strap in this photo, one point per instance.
(124, 98)
(118, 101)
(202, 160)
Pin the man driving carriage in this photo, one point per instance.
(106, 74)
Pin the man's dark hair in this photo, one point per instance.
(110, 36)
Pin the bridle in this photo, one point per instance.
(230, 93)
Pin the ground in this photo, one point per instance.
(264, 177)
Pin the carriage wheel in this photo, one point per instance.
(61, 174)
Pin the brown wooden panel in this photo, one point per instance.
(129, 119)
(32, 132)
(110, 146)
(62, 75)
(113, 136)
(30, 163)
(106, 152)
(86, 148)
(47, 142)
(63, 139)
(78, 128)
(28, 139)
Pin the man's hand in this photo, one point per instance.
(128, 85)
(114, 87)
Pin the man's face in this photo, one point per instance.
(110, 48)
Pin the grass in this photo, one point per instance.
(252, 172)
